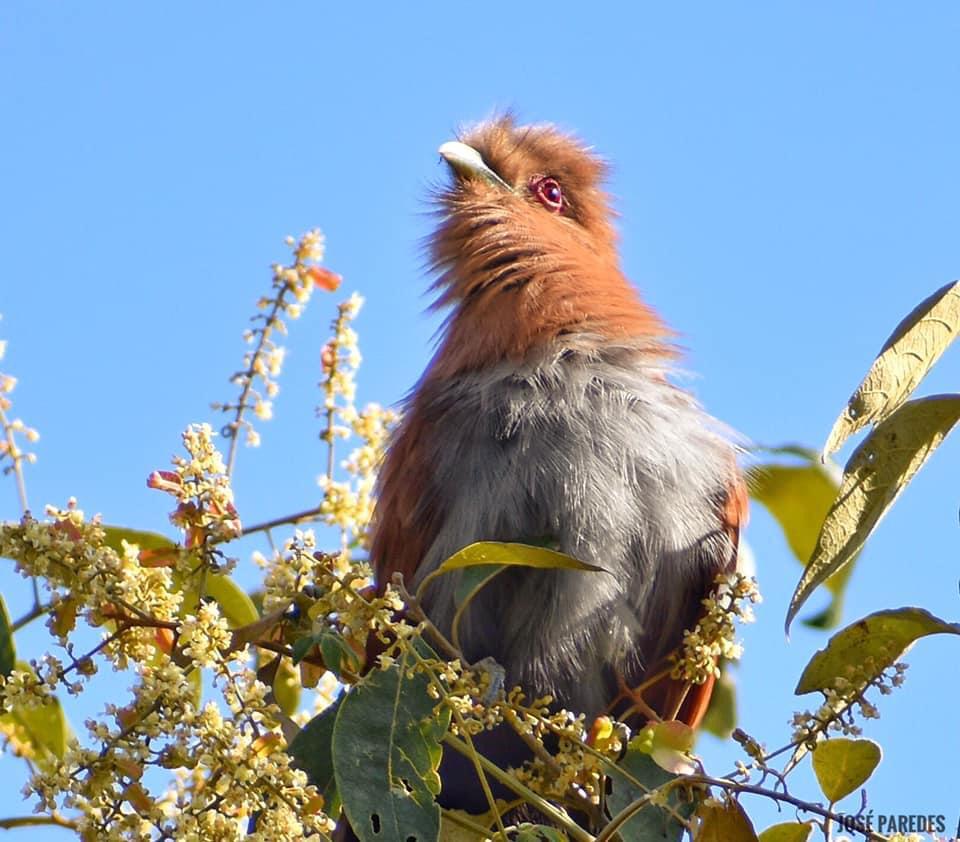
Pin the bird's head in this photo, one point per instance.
(526, 249)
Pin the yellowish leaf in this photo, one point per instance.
(912, 349)
(799, 497)
(266, 744)
(520, 555)
(669, 745)
(841, 765)
(879, 640)
(138, 798)
(724, 822)
(38, 733)
(878, 470)
(672, 744)
(787, 832)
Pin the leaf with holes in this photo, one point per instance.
(787, 832)
(632, 778)
(906, 357)
(724, 822)
(842, 765)
(878, 470)
(879, 639)
(312, 751)
(386, 752)
(799, 498)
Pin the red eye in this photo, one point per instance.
(548, 191)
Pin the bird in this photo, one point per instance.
(549, 415)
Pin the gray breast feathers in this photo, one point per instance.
(598, 456)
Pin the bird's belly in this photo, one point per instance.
(586, 483)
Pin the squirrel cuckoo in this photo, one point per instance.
(546, 416)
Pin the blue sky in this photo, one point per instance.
(786, 175)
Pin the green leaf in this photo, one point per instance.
(879, 639)
(43, 730)
(286, 687)
(878, 470)
(799, 498)
(312, 751)
(114, 536)
(337, 655)
(8, 653)
(303, 645)
(386, 752)
(539, 833)
(725, 822)
(721, 716)
(906, 357)
(236, 606)
(842, 765)
(472, 580)
(651, 822)
(787, 832)
(521, 555)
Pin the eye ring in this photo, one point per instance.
(548, 192)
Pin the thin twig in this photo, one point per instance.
(285, 520)
(784, 797)
(37, 821)
(249, 374)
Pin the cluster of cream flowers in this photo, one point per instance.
(164, 763)
(12, 428)
(714, 636)
(845, 699)
(348, 504)
(293, 286)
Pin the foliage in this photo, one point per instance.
(277, 750)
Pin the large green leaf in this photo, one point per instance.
(651, 823)
(312, 751)
(878, 639)
(386, 752)
(8, 653)
(799, 497)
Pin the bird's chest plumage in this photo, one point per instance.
(603, 460)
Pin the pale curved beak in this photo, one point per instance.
(466, 162)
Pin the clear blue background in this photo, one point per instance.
(787, 176)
